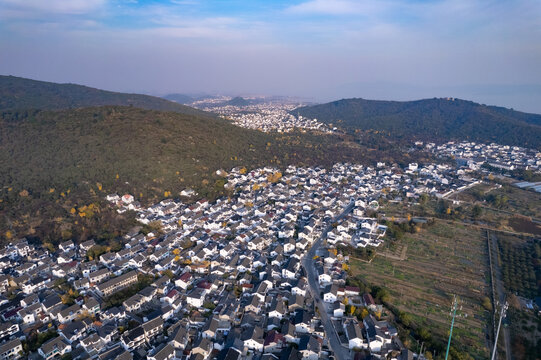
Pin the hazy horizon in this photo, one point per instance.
(484, 51)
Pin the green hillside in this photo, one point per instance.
(432, 119)
(55, 163)
(21, 93)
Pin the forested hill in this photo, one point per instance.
(54, 163)
(21, 93)
(436, 119)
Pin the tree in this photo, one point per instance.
(169, 274)
(95, 251)
(487, 304)
(364, 313)
(383, 295)
(423, 333)
(405, 318)
(477, 211)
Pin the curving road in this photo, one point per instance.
(340, 352)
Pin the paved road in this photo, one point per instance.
(340, 352)
(500, 291)
(461, 190)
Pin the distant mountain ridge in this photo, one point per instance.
(179, 98)
(21, 93)
(438, 119)
(238, 101)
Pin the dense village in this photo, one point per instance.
(270, 117)
(473, 155)
(256, 275)
(264, 114)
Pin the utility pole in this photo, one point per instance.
(502, 315)
(455, 305)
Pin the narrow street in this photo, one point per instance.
(340, 352)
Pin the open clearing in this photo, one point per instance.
(444, 260)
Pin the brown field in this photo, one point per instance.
(524, 225)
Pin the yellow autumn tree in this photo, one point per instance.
(352, 310)
(273, 178)
(9, 234)
(176, 251)
(99, 186)
(364, 313)
(243, 171)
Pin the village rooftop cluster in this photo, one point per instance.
(268, 116)
(227, 280)
(474, 155)
(245, 276)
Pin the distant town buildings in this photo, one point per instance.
(264, 115)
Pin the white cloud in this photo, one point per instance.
(33, 8)
(338, 7)
(185, 2)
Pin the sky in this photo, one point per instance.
(482, 50)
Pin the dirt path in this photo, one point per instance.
(500, 291)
